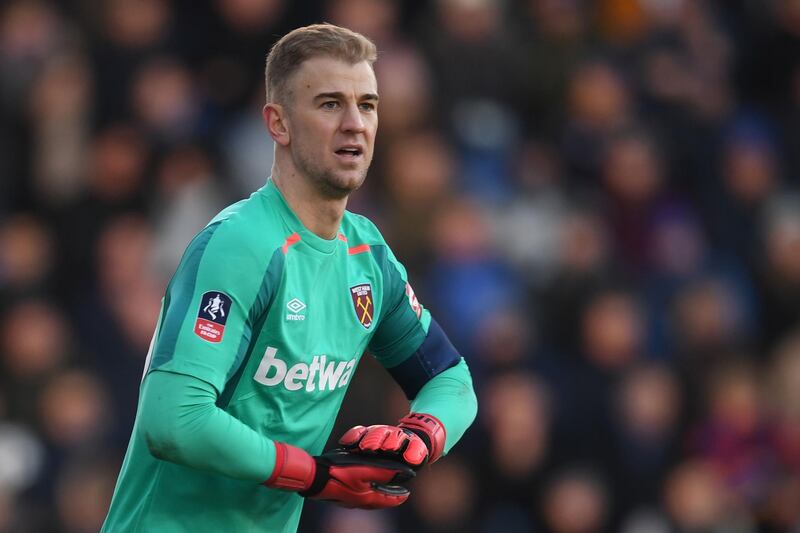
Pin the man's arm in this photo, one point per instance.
(181, 423)
(449, 397)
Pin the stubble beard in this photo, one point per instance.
(325, 181)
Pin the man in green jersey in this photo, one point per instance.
(266, 318)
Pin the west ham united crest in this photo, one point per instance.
(212, 315)
(362, 300)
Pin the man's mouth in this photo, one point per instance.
(350, 152)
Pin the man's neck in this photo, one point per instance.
(319, 214)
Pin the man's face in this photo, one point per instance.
(332, 113)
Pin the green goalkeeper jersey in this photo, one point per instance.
(276, 319)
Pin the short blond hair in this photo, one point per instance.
(302, 44)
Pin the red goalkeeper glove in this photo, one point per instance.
(417, 439)
(341, 477)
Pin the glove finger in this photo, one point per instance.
(372, 441)
(395, 440)
(352, 436)
(416, 452)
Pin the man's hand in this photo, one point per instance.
(341, 477)
(416, 439)
(353, 480)
(386, 441)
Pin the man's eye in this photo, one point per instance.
(331, 104)
(367, 107)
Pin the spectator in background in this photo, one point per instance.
(445, 501)
(647, 423)
(528, 228)
(187, 197)
(576, 501)
(519, 442)
(26, 257)
(37, 342)
(781, 508)
(707, 322)
(779, 272)
(477, 113)
(74, 412)
(583, 265)
(598, 104)
(123, 36)
(783, 396)
(407, 92)
(343, 521)
(556, 37)
(378, 18)
(31, 35)
(750, 174)
(60, 106)
(468, 279)
(507, 341)
(696, 499)
(680, 259)
(83, 493)
(414, 190)
(114, 184)
(733, 438)
(115, 317)
(231, 44)
(165, 102)
(611, 335)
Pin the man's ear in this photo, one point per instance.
(276, 121)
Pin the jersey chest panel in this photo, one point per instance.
(319, 324)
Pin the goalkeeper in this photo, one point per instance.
(264, 322)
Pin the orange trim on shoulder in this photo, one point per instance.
(361, 248)
(291, 240)
(342, 237)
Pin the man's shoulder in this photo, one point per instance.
(248, 224)
(360, 230)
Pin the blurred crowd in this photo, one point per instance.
(598, 200)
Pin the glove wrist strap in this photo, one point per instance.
(294, 468)
(429, 429)
(318, 481)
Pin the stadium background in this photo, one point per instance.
(596, 199)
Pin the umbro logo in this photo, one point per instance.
(295, 306)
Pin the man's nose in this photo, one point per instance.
(352, 119)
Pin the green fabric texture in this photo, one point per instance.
(181, 423)
(402, 330)
(450, 397)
